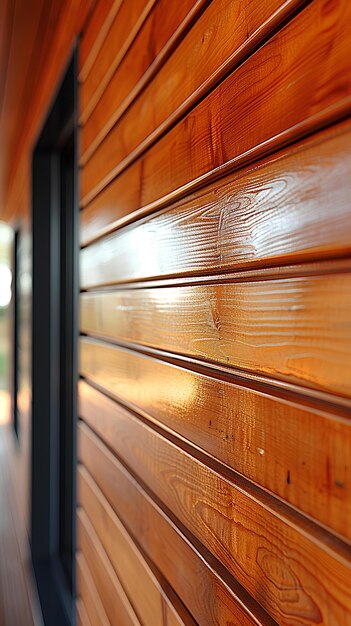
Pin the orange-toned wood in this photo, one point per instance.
(147, 592)
(220, 38)
(6, 16)
(266, 548)
(24, 30)
(126, 24)
(229, 122)
(211, 596)
(277, 212)
(97, 28)
(296, 329)
(55, 38)
(82, 618)
(116, 604)
(87, 591)
(299, 453)
(158, 37)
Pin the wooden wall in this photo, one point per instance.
(214, 478)
(215, 440)
(36, 42)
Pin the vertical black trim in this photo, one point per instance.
(15, 330)
(43, 515)
(54, 355)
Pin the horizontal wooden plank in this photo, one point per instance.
(127, 200)
(277, 77)
(159, 35)
(116, 604)
(209, 597)
(82, 618)
(299, 453)
(147, 591)
(87, 591)
(291, 573)
(126, 24)
(94, 34)
(279, 211)
(223, 36)
(295, 329)
(211, 38)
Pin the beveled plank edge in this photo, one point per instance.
(338, 406)
(179, 34)
(301, 388)
(84, 571)
(99, 40)
(262, 35)
(163, 586)
(106, 564)
(317, 263)
(82, 616)
(330, 116)
(85, 114)
(298, 147)
(337, 545)
(240, 595)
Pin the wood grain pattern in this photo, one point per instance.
(116, 604)
(301, 454)
(212, 597)
(296, 329)
(290, 572)
(215, 449)
(128, 20)
(147, 592)
(160, 34)
(220, 39)
(279, 211)
(207, 51)
(87, 591)
(277, 77)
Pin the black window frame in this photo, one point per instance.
(15, 329)
(55, 295)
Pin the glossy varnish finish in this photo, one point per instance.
(125, 26)
(226, 125)
(210, 45)
(281, 328)
(151, 602)
(214, 442)
(159, 35)
(211, 595)
(301, 454)
(238, 526)
(214, 435)
(275, 213)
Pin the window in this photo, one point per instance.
(54, 356)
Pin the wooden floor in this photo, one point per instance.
(17, 601)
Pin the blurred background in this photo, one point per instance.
(6, 240)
